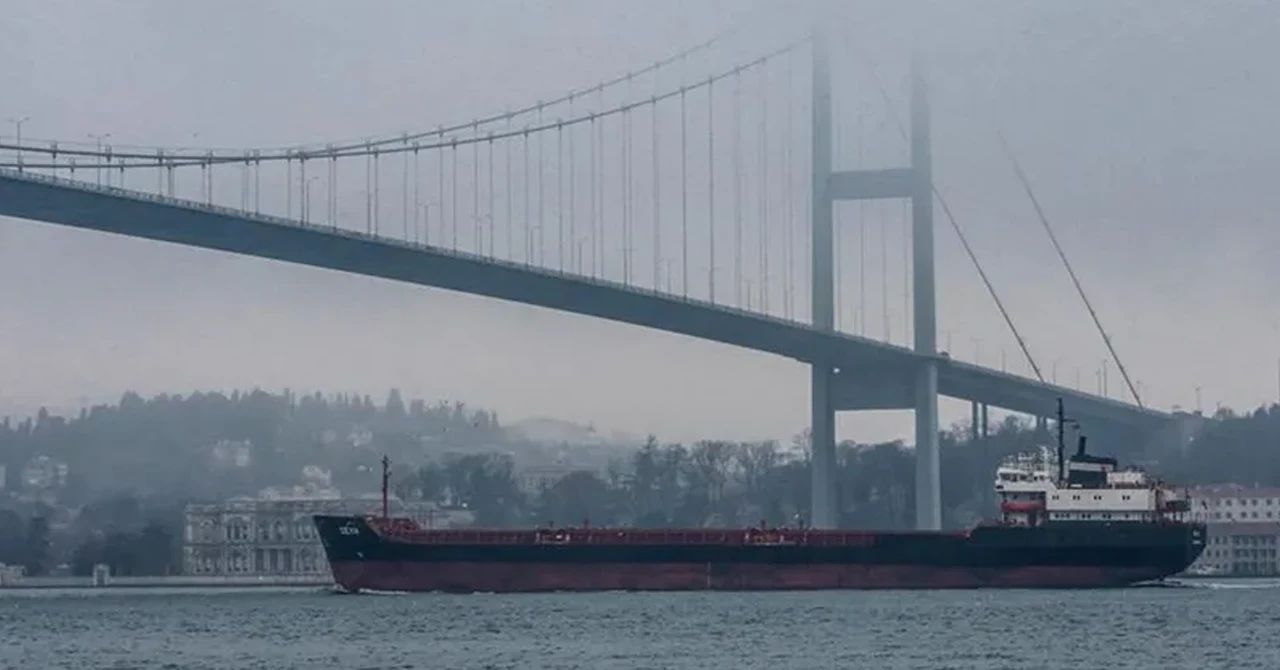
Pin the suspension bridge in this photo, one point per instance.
(695, 196)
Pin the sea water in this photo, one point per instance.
(1207, 625)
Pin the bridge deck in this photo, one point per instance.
(864, 362)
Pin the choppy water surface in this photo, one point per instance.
(1229, 625)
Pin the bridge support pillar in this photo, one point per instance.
(986, 424)
(822, 435)
(973, 421)
(928, 484)
(822, 430)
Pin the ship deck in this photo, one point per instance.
(406, 530)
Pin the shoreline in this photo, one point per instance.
(170, 581)
(300, 581)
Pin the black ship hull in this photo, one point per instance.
(1062, 555)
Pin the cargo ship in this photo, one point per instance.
(1080, 522)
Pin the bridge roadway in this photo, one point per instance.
(872, 374)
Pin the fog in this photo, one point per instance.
(1144, 126)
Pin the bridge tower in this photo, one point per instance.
(830, 389)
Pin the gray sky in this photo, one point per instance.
(1142, 125)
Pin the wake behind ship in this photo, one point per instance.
(1086, 525)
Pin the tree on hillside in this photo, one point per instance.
(577, 498)
(36, 546)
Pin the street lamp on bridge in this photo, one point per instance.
(17, 124)
(99, 140)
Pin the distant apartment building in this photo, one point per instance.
(275, 536)
(43, 472)
(1244, 530)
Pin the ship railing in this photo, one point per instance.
(768, 538)
(632, 536)
(394, 525)
(549, 537)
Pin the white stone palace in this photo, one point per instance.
(274, 536)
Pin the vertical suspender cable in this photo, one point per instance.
(884, 273)
(684, 196)
(787, 196)
(404, 196)
(575, 255)
(737, 189)
(440, 190)
(492, 215)
(657, 217)
(417, 193)
(376, 199)
(860, 312)
(453, 194)
(764, 189)
(368, 193)
(509, 196)
(624, 194)
(560, 196)
(711, 189)
(525, 214)
(593, 220)
(475, 195)
(539, 231)
(599, 180)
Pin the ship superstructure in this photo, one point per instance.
(1042, 487)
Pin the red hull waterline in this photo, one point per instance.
(471, 577)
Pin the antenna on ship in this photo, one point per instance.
(386, 475)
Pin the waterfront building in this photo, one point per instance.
(274, 535)
(1244, 530)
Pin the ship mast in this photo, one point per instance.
(387, 465)
(1062, 447)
